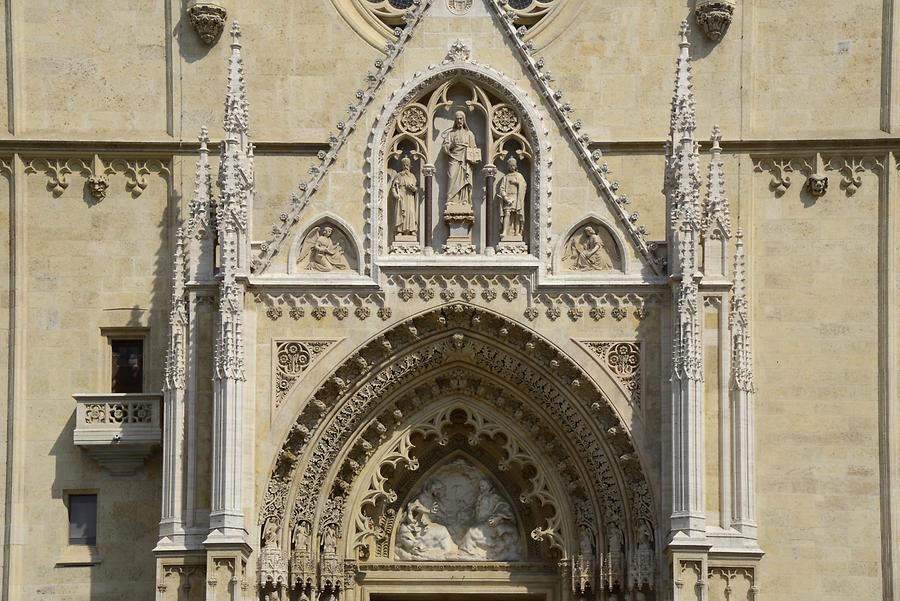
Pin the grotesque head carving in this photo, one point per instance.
(817, 184)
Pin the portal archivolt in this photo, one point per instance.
(348, 476)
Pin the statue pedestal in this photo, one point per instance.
(406, 244)
(460, 219)
(512, 247)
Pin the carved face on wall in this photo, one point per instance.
(817, 184)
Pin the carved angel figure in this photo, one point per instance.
(588, 252)
(324, 254)
(405, 198)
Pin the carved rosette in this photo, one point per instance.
(292, 358)
(208, 20)
(714, 17)
(622, 360)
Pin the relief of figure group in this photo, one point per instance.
(457, 167)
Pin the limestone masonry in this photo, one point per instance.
(529, 300)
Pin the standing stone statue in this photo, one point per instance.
(405, 198)
(462, 152)
(510, 190)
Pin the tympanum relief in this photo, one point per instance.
(591, 248)
(458, 514)
(461, 150)
(326, 248)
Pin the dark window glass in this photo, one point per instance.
(82, 519)
(127, 365)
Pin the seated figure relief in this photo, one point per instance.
(591, 248)
(458, 514)
(323, 250)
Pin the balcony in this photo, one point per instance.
(119, 431)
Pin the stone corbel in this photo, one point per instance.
(817, 182)
(714, 17)
(850, 169)
(207, 19)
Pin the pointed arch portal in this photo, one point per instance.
(465, 383)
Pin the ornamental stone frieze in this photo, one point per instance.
(96, 172)
(815, 168)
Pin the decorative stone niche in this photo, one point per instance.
(119, 431)
(326, 248)
(591, 247)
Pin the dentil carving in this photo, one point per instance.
(458, 515)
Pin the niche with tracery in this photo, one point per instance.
(458, 174)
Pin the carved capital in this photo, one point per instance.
(208, 20)
(714, 17)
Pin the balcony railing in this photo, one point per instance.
(118, 430)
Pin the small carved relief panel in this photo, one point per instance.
(325, 248)
(591, 247)
(458, 514)
(292, 358)
(623, 361)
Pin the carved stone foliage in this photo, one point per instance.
(714, 17)
(623, 361)
(525, 13)
(361, 396)
(478, 289)
(591, 247)
(207, 19)
(292, 358)
(96, 173)
(325, 248)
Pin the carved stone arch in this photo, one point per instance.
(346, 237)
(510, 449)
(622, 248)
(400, 359)
(458, 66)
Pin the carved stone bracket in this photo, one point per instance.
(781, 170)
(714, 17)
(207, 19)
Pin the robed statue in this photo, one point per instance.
(405, 201)
(588, 252)
(510, 191)
(462, 152)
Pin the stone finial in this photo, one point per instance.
(717, 213)
(714, 17)
(207, 19)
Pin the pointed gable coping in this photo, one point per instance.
(535, 67)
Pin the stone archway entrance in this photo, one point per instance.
(378, 486)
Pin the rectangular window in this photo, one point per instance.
(127, 365)
(83, 520)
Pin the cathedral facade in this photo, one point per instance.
(545, 300)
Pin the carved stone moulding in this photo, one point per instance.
(207, 19)
(714, 17)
